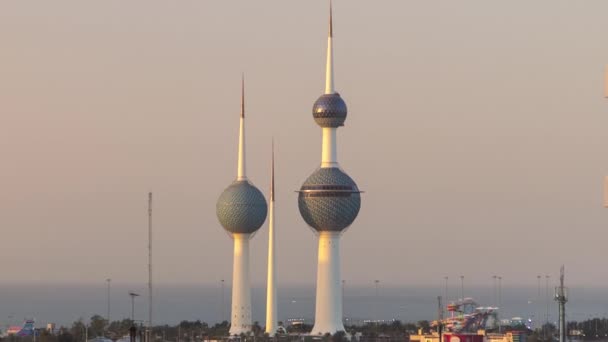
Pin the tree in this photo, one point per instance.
(65, 336)
(78, 330)
(256, 328)
(424, 325)
(97, 326)
(299, 328)
(339, 336)
(548, 330)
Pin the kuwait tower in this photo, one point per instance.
(329, 201)
(241, 210)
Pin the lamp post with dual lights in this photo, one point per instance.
(133, 328)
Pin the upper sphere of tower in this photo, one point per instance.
(329, 200)
(329, 110)
(241, 208)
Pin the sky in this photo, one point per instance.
(476, 128)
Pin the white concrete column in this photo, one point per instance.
(329, 148)
(328, 310)
(272, 321)
(241, 292)
(329, 68)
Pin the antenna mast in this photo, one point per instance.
(149, 265)
(561, 296)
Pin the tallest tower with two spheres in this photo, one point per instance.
(329, 201)
(241, 210)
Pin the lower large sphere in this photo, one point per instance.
(329, 200)
(241, 208)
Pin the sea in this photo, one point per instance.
(64, 304)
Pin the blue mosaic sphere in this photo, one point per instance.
(329, 200)
(329, 110)
(241, 208)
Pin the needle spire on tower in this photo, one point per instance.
(243, 95)
(331, 26)
(241, 171)
(329, 69)
(272, 174)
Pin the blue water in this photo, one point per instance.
(62, 304)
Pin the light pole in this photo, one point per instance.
(539, 308)
(133, 295)
(495, 291)
(109, 283)
(499, 291)
(445, 294)
(499, 300)
(462, 287)
(222, 304)
(547, 302)
(376, 282)
(343, 287)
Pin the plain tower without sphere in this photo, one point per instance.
(272, 321)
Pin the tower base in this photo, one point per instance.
(240, 317)
(328, 310)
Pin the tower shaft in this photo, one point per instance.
(271, 290)
(328, 309)
(329, 148)
(329, 68)
(271, 285)
(241, 293)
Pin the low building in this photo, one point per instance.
(480, 336)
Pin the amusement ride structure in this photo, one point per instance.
(465, 315)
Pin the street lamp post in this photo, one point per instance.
(133, 295)
(376, 282)
(222, 304)
(133, 328)
(445, 294)
(343, 287)
(539, 308)
(494, 277)
(547, 302)
(109, 284)
(462, 287)
(499, 300)
(499, 291)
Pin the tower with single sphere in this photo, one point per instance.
(241, 210)
(329, 201)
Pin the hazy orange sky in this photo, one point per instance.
(477, 129)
